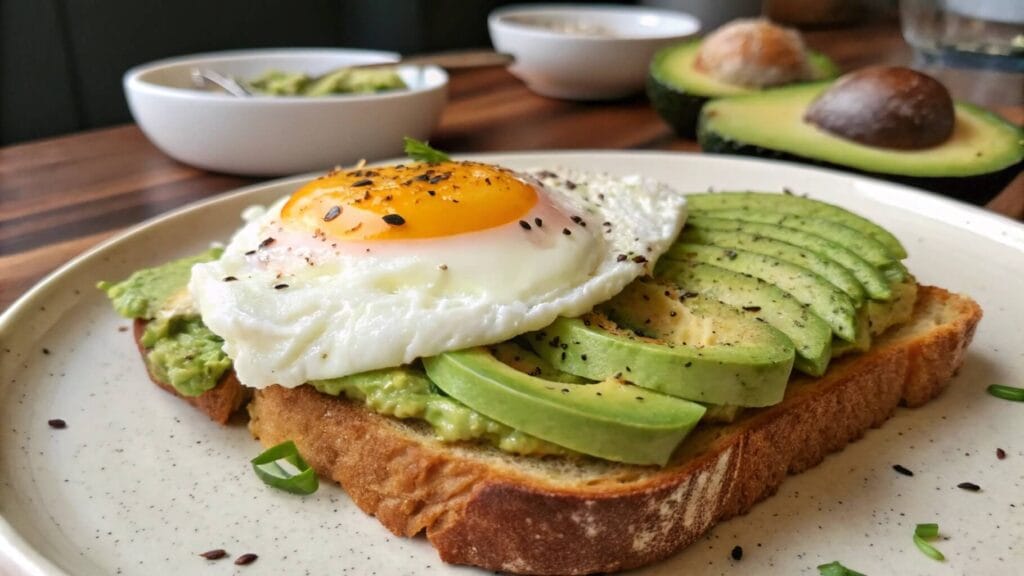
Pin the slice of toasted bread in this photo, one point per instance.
(219, 403)
(486, 508)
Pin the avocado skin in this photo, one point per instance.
(976, 190)
(680, 110)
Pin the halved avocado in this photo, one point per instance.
(679, 344)
(678, 89)
(983, 154)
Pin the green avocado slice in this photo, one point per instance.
(609, 419)
(824, 267)
(825, 300)
(874, 282)
(810, 335)
(796, 205)
(695, 347)
(856, 241)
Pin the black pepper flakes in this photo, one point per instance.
(333, 213)
(620, 258)
(230, 279)
(280, 286)
(1000, 454)
(737, 553)
(245, 559)
(566, 231)
(731, 254)
(57, 423)
(267, 242)
(752, 308)
(393, 219)
(639, 259)
(538, 222)
(524, 225)
(432, 192)
(363, 182)
(902, 470)
(969, 486)
(214, 554)
(46, 351)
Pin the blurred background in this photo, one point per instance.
(61, 61)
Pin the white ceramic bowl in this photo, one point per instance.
(582, 52)
(267, 135)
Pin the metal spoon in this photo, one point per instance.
(203, 78)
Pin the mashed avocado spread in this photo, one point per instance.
(342, 81)
(183, 352)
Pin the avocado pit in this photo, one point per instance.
(886, 107)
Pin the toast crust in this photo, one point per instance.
(500, 512)
(219, 402)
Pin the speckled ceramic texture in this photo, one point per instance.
(141, 483)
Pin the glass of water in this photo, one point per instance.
(985, 34)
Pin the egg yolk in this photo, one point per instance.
(409, 202)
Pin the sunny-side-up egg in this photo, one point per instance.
(373, 268)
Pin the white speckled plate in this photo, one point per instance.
(140, 483)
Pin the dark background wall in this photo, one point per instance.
(61, 61)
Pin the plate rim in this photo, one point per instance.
(26, 558)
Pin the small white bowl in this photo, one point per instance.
(581, 52)
(269, 135)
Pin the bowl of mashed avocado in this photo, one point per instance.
(309, 109)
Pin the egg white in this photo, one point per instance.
(305, 307)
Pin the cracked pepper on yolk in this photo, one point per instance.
(432, 200)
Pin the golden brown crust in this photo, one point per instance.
(219, 403)
(495, 512)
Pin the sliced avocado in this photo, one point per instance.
(521, 357)
(867, 247)
(820, 265)
(873, 281)
(810, 335)
(690, 347)
(983, 154)
(678, 89)
(609, 419)
(823, 298)
(800, 206)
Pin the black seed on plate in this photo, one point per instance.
(570, 184)
(902, 470)
(969, 486)
(267, 242)
(363, 182)
(737, 553)
(230, 278)
(431, 192)
(538, 222)
(620, 258)
(333, 213)
(214, 554)
(280, 286)
(524, 224)
(393, 219)
(639, 259)
(1000, 453)
(577, 220)
(57, 423)
(250, 252)
(566, 231)
(46, 351)
(245, 559)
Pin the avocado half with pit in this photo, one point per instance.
(970, 154)
(678, 88)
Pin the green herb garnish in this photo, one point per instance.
(837, 569)
(922, 534)
(1007, 392)
(282, 467)
(422, 152)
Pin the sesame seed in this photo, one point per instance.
(57, 423)
(538, 222)
(363, 182)
(214, 554)
(280, 286)
(566, 231)
(333, 213)
(393, 219)
(524, 224)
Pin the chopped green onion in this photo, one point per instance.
(837, 569)
(422, 152)
(1007, 392)
(925, 532)
(282, 467)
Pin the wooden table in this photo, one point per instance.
(59, 197)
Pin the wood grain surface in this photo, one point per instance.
(60, 196)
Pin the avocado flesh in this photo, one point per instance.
(874, 282)
(876, 317)
(609, 419)
(698, 348)
(865, 246)
(798, 206)
(828, 269)
(811, 336)
(824, 299)
(772, 122)
(678, 89)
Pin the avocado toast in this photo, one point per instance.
(565, 513)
